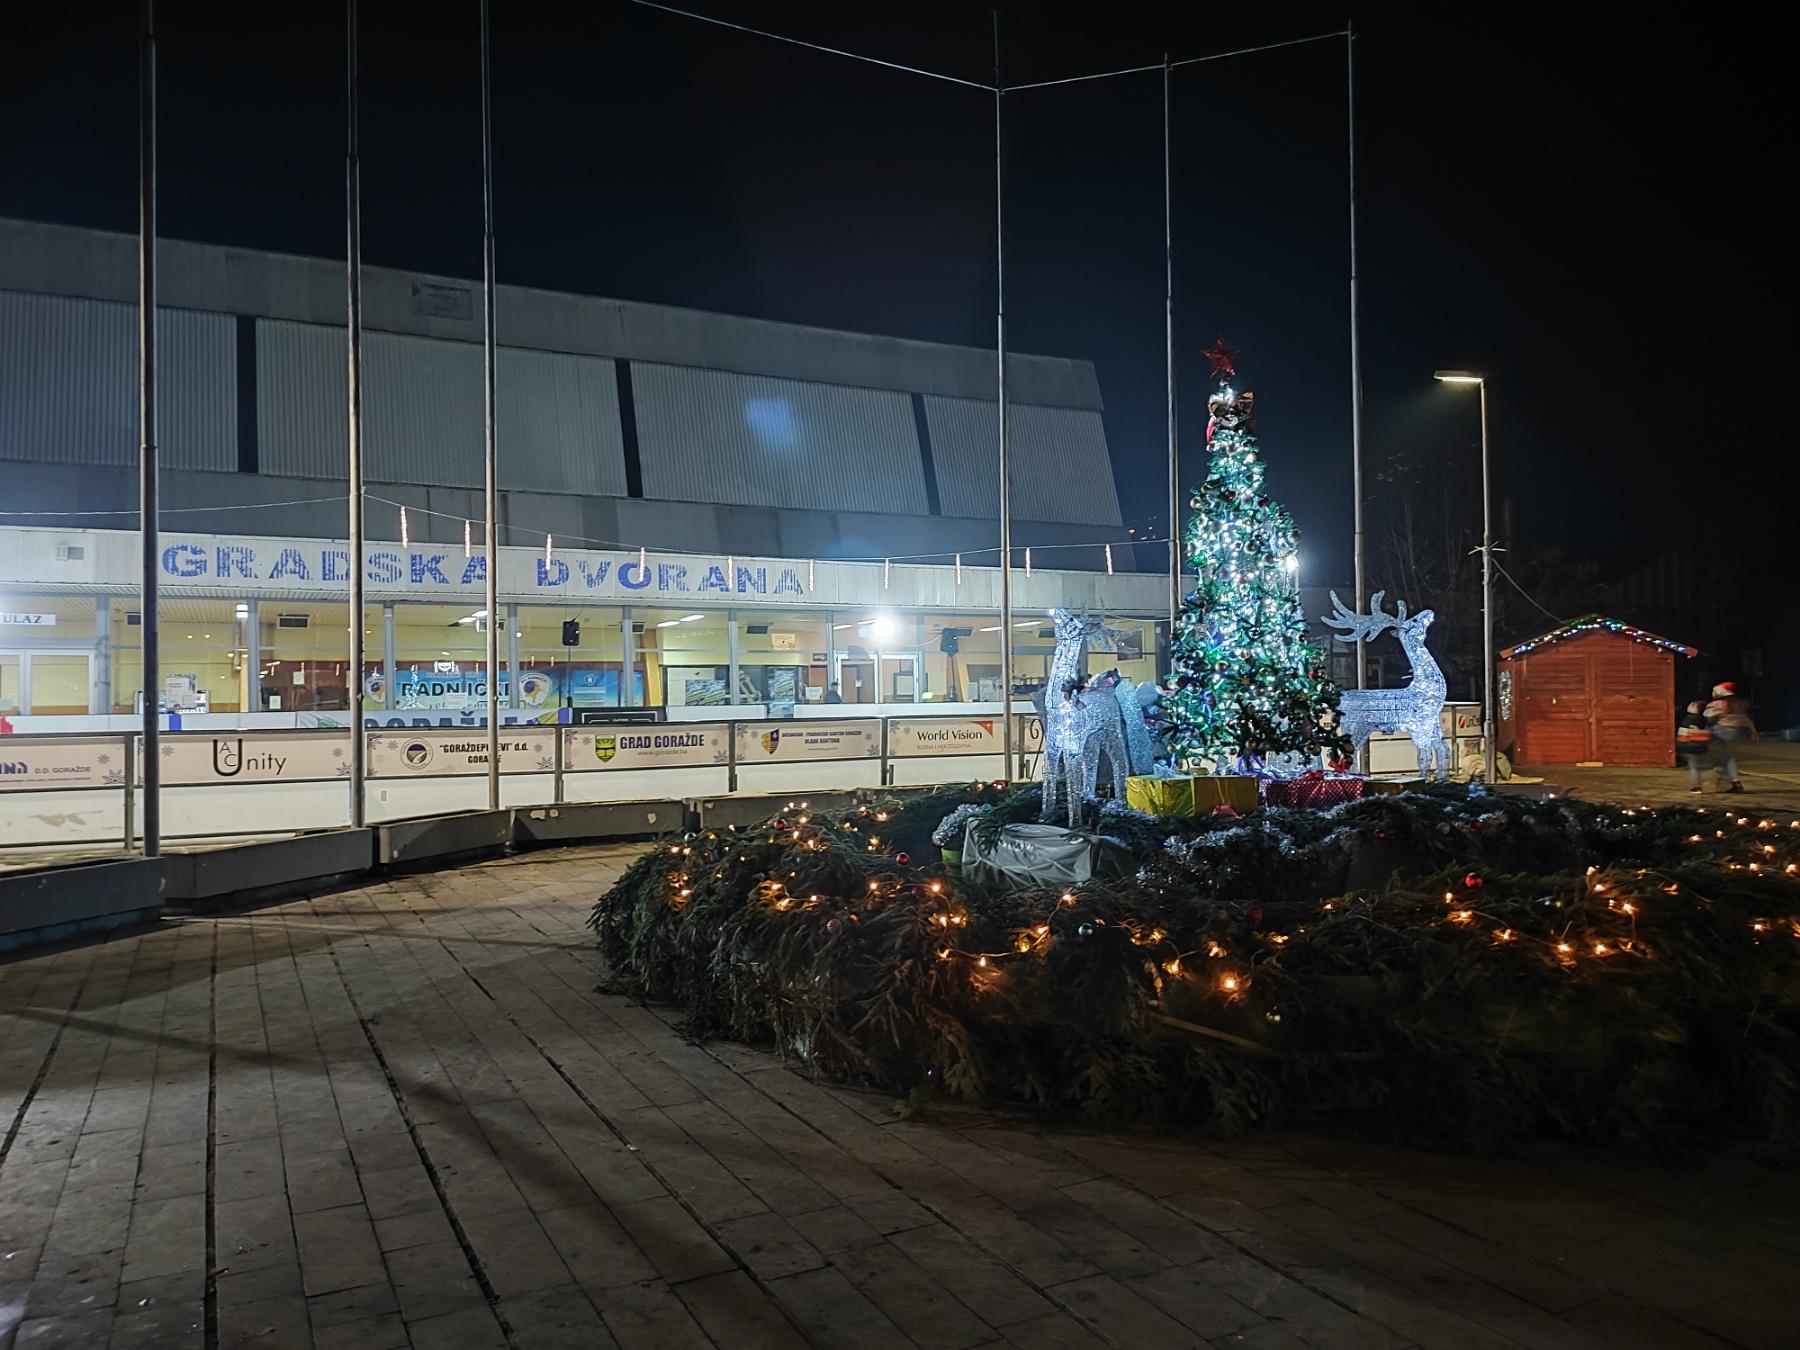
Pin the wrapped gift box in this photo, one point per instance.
(1189, 796)
(1313, 790)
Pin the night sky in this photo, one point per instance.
(1590, 218)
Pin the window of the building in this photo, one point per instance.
(589, 674)
(203, 651)
(880, 656)
(783, 658)
(47, 659)
(686, 656)
(303, 656)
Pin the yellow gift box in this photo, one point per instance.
(1190, 796)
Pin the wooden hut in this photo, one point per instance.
(1594, 690)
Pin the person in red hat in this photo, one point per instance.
(1728, 718)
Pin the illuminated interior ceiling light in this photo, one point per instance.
(691, 618)
(883, 628)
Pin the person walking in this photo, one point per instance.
(1728, 719)
(1692, 741)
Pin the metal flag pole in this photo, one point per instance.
(1006, 642)
(147, 454)
(353, 269)
(1169, 357)
(1356, 381)
(1491, 750)
(490, 455)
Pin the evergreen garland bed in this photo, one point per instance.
(1446, 966)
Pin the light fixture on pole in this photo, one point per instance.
(1487, 573)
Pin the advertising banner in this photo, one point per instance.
(658, 745)
(775, 742)
(55, 762)
(251, 757)
(445, 753)
(926, 737)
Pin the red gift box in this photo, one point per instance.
(1314, 790)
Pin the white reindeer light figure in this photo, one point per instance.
(1415, 711)
(1079, 724)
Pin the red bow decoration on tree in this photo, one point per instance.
(1223, 358)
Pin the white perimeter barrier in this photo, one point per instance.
(79, 790)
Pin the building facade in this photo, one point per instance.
(731, 511)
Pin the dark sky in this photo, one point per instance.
(1590, 218)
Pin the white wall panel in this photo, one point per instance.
(752, 440)
(1060, 467)
(69, 383)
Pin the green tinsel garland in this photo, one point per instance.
(1445, 966)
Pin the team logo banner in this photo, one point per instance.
(455, 752)
(646, 745)
(802, 739)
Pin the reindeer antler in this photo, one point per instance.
(1354, 625)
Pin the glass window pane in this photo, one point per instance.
(12, 682)
(686, 656)
(782, 656)
(586, 675)
(59, 684)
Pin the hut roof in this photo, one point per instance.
(1597, 623)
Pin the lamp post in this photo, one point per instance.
(1487, 573)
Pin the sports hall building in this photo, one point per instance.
(716, 510)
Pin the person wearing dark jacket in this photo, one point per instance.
(1728, 719)
(1692, 741)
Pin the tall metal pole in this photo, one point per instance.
(148, 520)
(1356, 380)
(1169, 359)
(1006, 642)
(1487, 601)
(353, 267)
(490, 455)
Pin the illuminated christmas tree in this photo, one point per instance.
(1247, 682)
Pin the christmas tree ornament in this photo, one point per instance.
(1416, 711)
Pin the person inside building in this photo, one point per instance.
(1728, 718)
(1692, 741)
(832, 695)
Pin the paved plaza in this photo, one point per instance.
(401, 1115)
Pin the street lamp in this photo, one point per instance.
(1487, 573)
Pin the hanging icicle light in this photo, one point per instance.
(641, 557)
(468, 539)
(811, 565)
(405, 534)
(959, 569)
(1027, 562)
(1109, 567)
(887, 568)
(549, 549)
